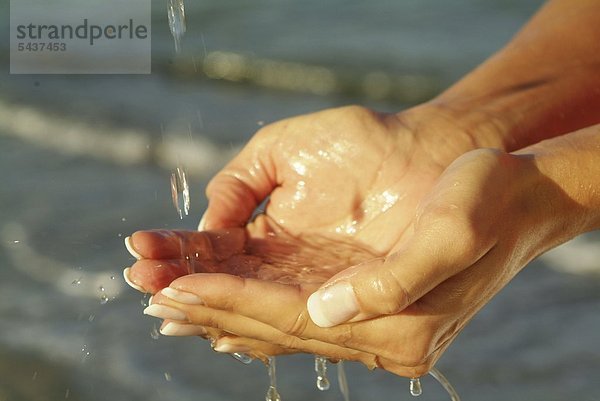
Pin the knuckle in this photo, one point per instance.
(297, 326)
(392, 296)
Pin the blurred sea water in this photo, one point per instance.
(86, 160)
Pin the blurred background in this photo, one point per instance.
(86, 160)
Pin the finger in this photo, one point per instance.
(180, 244)
(417, 331)
(236, 191)
(253, 332)
(231, 344)
(199, 314)
(151, 275)
(387, 286)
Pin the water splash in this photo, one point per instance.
(154, 333)
(180, 192)
(103, 296)
(176, 15)
(415, 387)
(85, 352)
(272, 393)
(144, 300)
(321, 369)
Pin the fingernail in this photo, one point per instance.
(181, 296)
(202, 222)
(131, 249)
(165, 312)
(150, 299)
(131, 283)
(176, 329)
(333, 305)
(230, 348)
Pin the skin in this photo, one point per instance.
(428, 236)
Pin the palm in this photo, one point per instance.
(343, 186)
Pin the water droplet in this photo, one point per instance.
(67, 393)
(260, 123)
(104, 299)
(101, 288)
(112, 277)
(415, 387)
(321, 369)
(154, 333)
(85, 352)
(77, 281)
(119, 235)
(91, 318)
(34, 376)
(243, 358)
(272, 393)
(144, 300)
(180, 192)
(123, 219)
(16, 241)
(176, 15)
(168, 376)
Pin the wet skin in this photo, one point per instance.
(343, 185)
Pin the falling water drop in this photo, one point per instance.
(343, 381)
(321, 369)
(154, 333)
(243, 358)
(85, 352)
(272, 393)
(176, 15)
(180, 192)
(168, 376)
(77, 281)
(103, 299)
(112, 277)
(144, 300)
(415, 387)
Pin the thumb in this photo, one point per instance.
(387, 286)
(235, 191)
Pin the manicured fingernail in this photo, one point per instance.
(230, 348)
(333, 305)
(176, 329)
(181, 296)
(202, 222)
(131, 249)
(165, 312)
(131, 283)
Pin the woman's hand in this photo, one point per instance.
(487, 216)
(343, 185)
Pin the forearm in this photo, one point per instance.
(544, 83)
(569, 177)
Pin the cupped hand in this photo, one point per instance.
(487, 216)
(345, 178)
